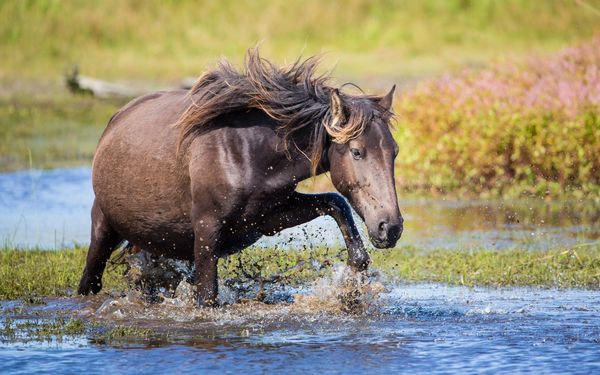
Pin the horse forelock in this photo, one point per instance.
(295, 96)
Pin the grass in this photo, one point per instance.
(36, 273)
(59, 328)
(576, 267)
(48, 330)
(50, 131)
(41, 39)
(121, 333)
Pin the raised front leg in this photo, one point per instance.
(302, 208)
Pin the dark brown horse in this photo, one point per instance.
(204, 173)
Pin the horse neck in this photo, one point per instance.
(297, 154)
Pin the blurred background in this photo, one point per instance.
(487, 86)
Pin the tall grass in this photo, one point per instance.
(528, 127)
(162, 40)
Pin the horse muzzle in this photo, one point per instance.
(387, 233)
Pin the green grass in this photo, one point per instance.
(121, 333)
(50, 131)
(166, 40)
(36, 273)
(60, 328)
(48, 328)
(576, 267)
(33, 274)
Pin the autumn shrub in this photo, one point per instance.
(521, 127)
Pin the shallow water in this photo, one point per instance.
(51, 209)
(424, 328)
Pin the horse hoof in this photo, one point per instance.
(87, 287)
(359, 264)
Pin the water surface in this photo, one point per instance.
(422, 328)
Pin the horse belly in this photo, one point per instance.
(142, 187)
(235, 243)
(173, 241)
(155, 228)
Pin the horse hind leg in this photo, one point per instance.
(104, 240)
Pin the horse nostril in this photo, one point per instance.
(383, 226)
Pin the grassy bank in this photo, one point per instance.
(47, 273)
(34, 274)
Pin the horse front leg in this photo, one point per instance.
(206, 234)
(302, 208)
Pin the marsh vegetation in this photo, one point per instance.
(32, 274)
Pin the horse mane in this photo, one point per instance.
(294, 96)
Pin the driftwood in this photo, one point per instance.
(79, 84)
(188, 82)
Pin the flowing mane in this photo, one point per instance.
(295, 97)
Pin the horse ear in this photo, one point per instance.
(387, 100)
(337, 107)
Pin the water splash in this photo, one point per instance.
(343, 291)
(341, 294)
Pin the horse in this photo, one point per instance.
(203, 173)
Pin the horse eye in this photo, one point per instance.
(356, 153)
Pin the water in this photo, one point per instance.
(423, 328)
(51, 209)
